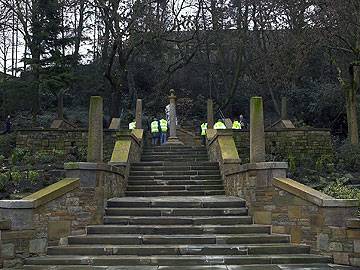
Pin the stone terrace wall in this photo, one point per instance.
(49, 139)
(309, 216)
(299, 143)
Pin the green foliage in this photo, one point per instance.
(292, 163)
(7, 144)
(348, 157)
(33, 176)
(4, 180)
(20, 155)
(48, 157)
(324, 163)
(339, 190)
(2, 158)
(16, 176)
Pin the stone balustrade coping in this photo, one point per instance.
(42, 196)
(93, 166)
(311, 195)
(256, 166)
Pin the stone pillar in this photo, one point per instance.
(173, 139)
(138, 114)
(210, 114)
(284, 114)
(257, 133)
(95, 134)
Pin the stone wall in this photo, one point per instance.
(49, 139)
(302, 144)
(65, 208)
(308, 216)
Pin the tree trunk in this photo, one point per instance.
(351, 113)
(60, 108)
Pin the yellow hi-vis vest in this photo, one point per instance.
(203, 129)
(163, 125)
(154, 127)
(219, 125)
(132, 125)
(236, 125)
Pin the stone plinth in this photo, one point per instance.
(115, 124)
(210, 114)
(95, 137)
(257, 133)
(173, 139)
(138, 114)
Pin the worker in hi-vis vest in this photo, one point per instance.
(155, 131)
(203, 132)
(236, 124)
(163, 131)
(132, 125)
(219, 125)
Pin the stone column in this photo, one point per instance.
(173, 139)
(257, 133)
(284, 114)
(95, 134)
(138, 114)
(210, 114)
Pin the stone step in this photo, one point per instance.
(179, 151)
(174, 177)
(175, 148)
(179, 260)
(174, 168)
(173, 187)
(176, 202)
(138, 239)
(161, 212)
(169, 163)
(5, 225)
(175, 182)
(174, 193)
(169, 173)
(176, 158)
(178, 220)
(151, 250)
(178, 229)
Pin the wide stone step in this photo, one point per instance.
(169, 163)
(177, 158)
(169, 173)
(151, 250)
(179, 151)
(175, 211)
(179, 260)
(174, 193)
(179, 220)
(175, 177)
(173, 187)
(139, 239)
(175, 182)
(175, 148)
(174, 168)
(178, 202)
(177, 229)
(312, 266)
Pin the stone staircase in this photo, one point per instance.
(175, 214)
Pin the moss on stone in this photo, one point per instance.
(53, 191)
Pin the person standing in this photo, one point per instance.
(132, 125)
(155, 131)
(203, 132)
(163, 131)
(236, 124)
(8, 125)
(219, 125)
